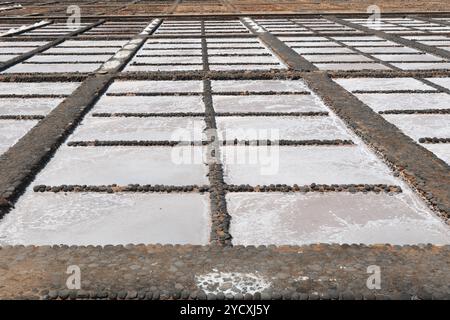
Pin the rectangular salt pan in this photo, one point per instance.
(167, 67)
(234, 45)
(153, 41)
(422, 66)
(336, 58)
(313, 44)
(58, 68)
(279, 128)
(323, 50)
(168, 60)
(81, 50)
(382, 84)
(225, 67)
(22, 43)
(100, 219)
(69, 58)
(405, 101)
(170, 52)
(125, 165)
(297, 219)
(258, 85)
(156, 86)
(407, 57)
(150, 104)
(384, 50)
(25, 88)
(173, 46)
(267, 103)
(243, 59)
(15, 49)
(29, 106)
(155, 129)
(351, 66)
(303, 165)
(422, 125)
(115, 43)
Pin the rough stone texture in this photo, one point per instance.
(151, 271)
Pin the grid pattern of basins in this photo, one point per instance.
(438, 41)
(419, 107)
(192, 53)
(401, 25)
(202, 137)
(8, 28)
(355, 52)
(23, 104)
(54, 30)
(70, 56)
(116, 28)
(13, 49)
(304, 26)
(115, 162)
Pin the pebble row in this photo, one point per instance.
(184, 294)
(271, 114)
(423, 111)
(148, 114)
(396, 91)
(313, 187)
(236, 142)
(21, 117)
(66, 62)
(219, 114)
(140, 143)
(313, 142)
(113, 188)
(163, 64)
(151, 94)
(260, 93)
(28, 96)
(214, 75)
(220, 218)
(434, 140)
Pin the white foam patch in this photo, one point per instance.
(232, 282)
